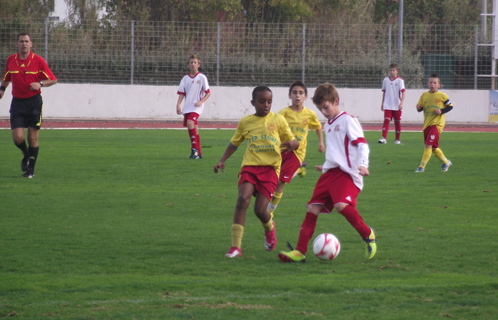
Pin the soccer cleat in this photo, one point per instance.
(371, 246)
(25, 163)
(383, 141)
(446, 166)
(194, 154)
(233, 252)
(291, 256)
(28, 174)
(397, 142)
(420, 169)
(270, 239)
(301, 172)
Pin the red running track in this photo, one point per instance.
(48, 124)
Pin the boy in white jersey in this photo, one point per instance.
(393, 95)
(265, 133)
(194, 87)
(346, 162)
(300, 120)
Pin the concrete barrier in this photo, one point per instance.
(129, 102)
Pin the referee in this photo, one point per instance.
(28, 72)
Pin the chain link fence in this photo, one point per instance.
(250, 54)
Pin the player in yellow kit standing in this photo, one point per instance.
(434, 104)
(300, 120)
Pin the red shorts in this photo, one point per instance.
(290, 164)
(334, 186)
(431, 136)
(192, 116)
(392, 114)
(264, 179)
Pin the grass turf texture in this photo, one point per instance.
(120, 224)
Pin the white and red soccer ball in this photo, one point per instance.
(326, 246)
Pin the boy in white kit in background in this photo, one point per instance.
(194, 87)
(393, 95)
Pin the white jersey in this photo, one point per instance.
(392, 90)
(346, 146)
(194, 89)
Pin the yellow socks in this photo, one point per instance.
(439, 154)
(426, 157)
(237, 233)
(274, 202)
(268, 226)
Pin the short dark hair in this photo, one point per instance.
(298, 83)
(435, 76)
(258, 90)
(393, 66)
(23, 34)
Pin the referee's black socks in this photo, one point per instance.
(33, 154)
(22, 146)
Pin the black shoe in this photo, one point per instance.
(25, 163)
(28, 174)
(194, 154)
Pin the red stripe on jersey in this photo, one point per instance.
(346, 149)
(359, 140)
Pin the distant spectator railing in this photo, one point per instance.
(249, 54)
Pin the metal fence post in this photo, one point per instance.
(475, 56)
(46, 40)
(304, 52)
(389, 46)
(218, 55)
(400, 35)
(132, 49)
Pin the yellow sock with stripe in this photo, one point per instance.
(274, 202)
(439, 154)
(425, 158)
(237, 231)
(268, 226)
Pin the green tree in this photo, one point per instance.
(173, 10)
(429, 11)
(30, 9)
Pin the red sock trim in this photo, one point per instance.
(397, 125)
(354, 218)
(306, 232)
(385, 128)
(193, 138)
(198, 138)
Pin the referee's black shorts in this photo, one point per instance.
(26, 112)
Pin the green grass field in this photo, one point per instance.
(120, 224)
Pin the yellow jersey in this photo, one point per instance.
(430, 102)
(263, 136)
(300, 123)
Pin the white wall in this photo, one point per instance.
(132, 102)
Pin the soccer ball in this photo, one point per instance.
(326, 246)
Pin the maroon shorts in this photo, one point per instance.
(392, 114)
(431, 136)
(290, 164)
(192, 116)
(334, 186)
(264, 179)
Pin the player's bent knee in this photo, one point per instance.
(340, 206)
(190, 124)
(314, 208)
